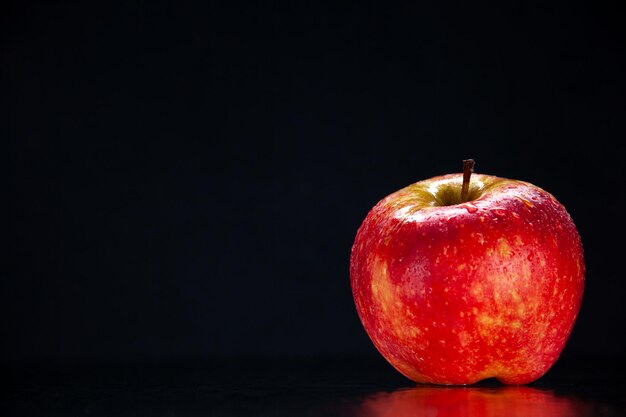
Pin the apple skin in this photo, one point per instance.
(454, 292)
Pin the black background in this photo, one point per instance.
(185, 179)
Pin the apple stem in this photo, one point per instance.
(468, 168)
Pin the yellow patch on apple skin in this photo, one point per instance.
(505, 313)
(464, 338)
(396, 321)
(396, 316)
(509, 315)
(488, 321)
(504, 295)
(503, 247)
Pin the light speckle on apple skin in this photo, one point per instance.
(483, 314)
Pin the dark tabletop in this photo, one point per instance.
(356, 386)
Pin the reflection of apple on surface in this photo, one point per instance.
(458, 279)
(476, 402)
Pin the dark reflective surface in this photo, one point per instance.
(476, 402)
(301, 387)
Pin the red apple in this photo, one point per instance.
(457, 280)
